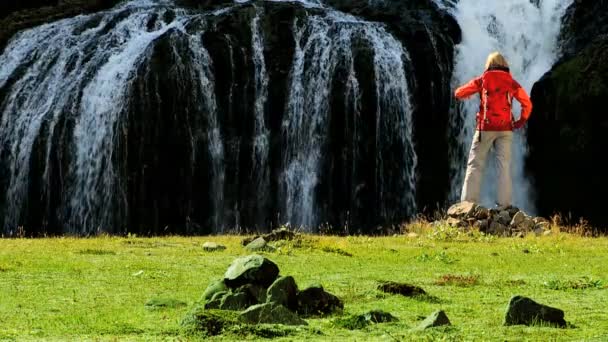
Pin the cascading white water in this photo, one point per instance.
(72, 88)
(526, 33)
(83, 68)
(261, 139)
(322, 43)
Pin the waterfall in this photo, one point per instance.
(323, 43)
(146, 117)
(526, 33)
(79, 72)
(261, 143)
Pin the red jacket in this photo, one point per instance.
(497, 88)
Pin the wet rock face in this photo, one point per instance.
(568, 129)
(429, 34)
(165, 178)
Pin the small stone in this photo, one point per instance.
(547, 233)
(252, 269)
(504, 218)
(258, 245)
(538, 231)
(269, 313)
(248, 240)
(518, 219)
(316, 301)
(513, 210)
(526, 225)
(497, 228)
(525, 311)
(462, 210)
(403, 289)
(283, 292)
(483, 225)
(456, 223)
(436, 319)
(213, 247)
(412, 235)
(482, 213)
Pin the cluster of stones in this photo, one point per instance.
(502, 221)
(252, 286)
(261, 243)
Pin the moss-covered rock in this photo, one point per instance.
(208, 322)
(252, 269)
(354, 322)
(315, 301)
(284, 292)
(214, 287)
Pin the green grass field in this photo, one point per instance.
(95, 289)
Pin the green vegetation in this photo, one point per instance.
(104, 288)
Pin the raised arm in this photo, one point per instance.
(473, 87)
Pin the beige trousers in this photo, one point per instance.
(502, 142)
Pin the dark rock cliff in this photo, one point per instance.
(163, 170)
(568, 129)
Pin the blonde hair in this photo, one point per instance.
(496, 60)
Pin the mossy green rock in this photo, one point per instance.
(236, 301)
(256, 292)
(316, 301)
(214, 287)
(216, 301)
(354, 322)
(252, 269)
(269, 313)
(209, 322)
(284, 292)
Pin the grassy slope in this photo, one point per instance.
(60, 289)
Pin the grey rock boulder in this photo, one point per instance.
(436, 319)
(252, 269)
(284, 292)
(259, 245)
(462, 210)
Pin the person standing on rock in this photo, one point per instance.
(495, 125)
